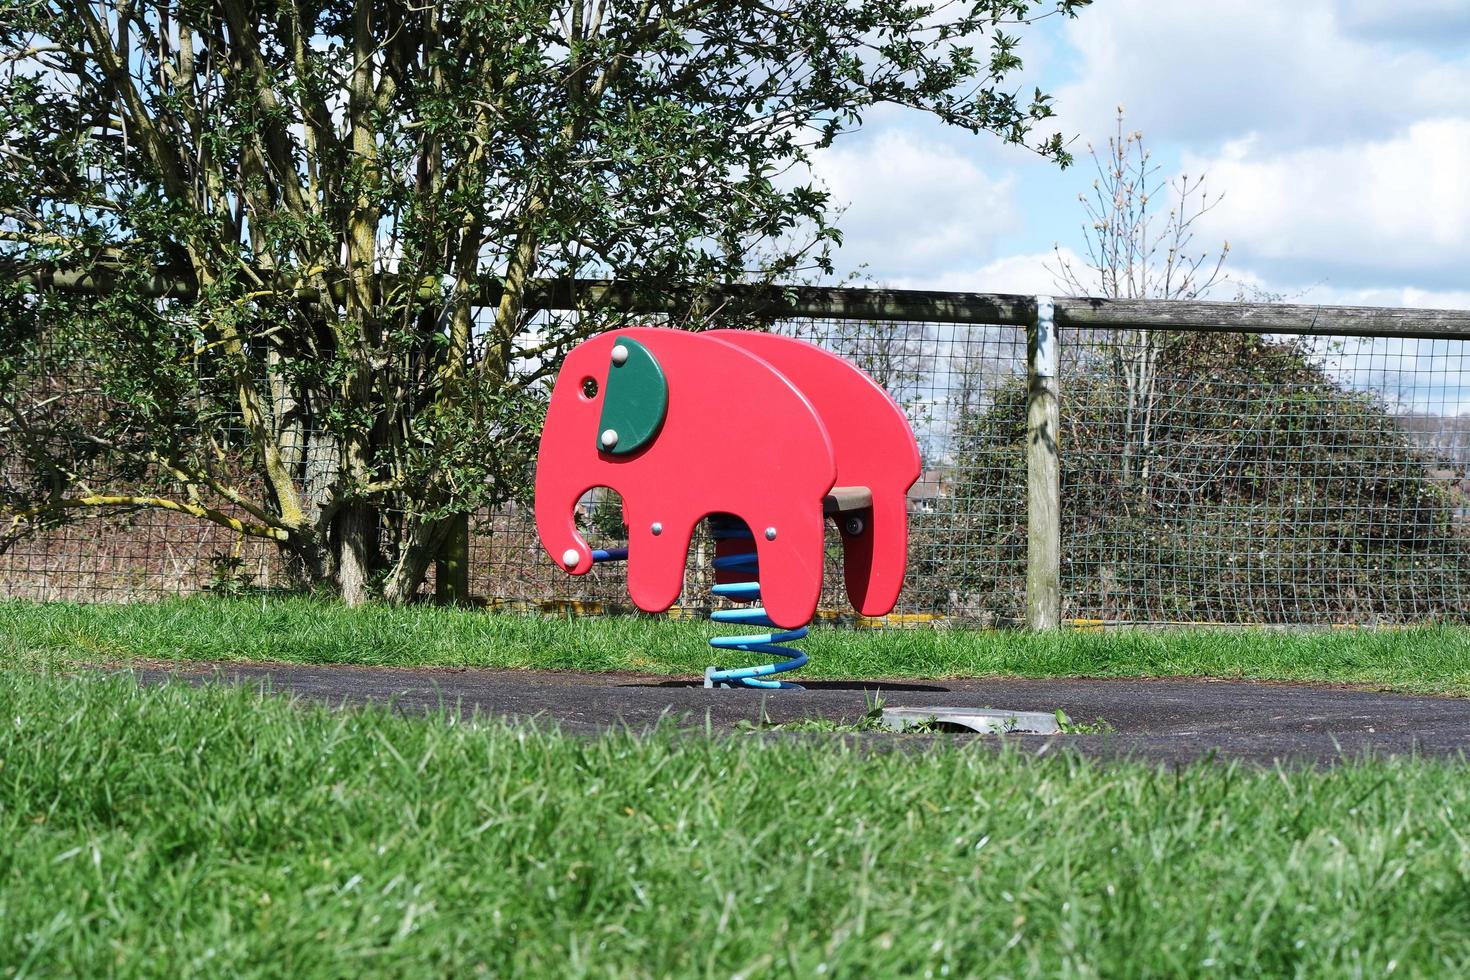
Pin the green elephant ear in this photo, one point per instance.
(635, 402)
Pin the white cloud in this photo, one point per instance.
(1337, 130)
(1432, 22)
(1305, 72)
(1367, 214)
(1254, 286)
(1029, 274)
(916, 206)
(1327, 294)
(1423, 299)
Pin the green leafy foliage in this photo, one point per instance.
(1098, 726)
(870, 721)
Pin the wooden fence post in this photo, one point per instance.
(1043, 472)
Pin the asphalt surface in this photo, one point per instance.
(1168, 720)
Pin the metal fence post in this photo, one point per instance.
(1043, 472)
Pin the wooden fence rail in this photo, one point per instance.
(837, 303)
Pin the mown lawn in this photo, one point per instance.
(179, 831)
(1429, 659)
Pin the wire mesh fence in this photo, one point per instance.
(113, 553)
(1206, 478)
(1243, 478)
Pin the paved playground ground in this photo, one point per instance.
(1165, 720)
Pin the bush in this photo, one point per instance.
(1261, 490)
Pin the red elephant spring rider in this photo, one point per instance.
(767, 436)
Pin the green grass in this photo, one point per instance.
(175, 832)
(179, 831)
(1431, 659)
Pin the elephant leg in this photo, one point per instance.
(874, 560)
(791, 566)
(656, 561)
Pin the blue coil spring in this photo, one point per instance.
(767, 644)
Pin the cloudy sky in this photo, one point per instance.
(1338, 132)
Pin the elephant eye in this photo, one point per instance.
(589, 387)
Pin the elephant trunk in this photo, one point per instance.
(558, 488)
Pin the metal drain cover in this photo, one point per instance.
(987, 721)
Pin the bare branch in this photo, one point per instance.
(123, 501)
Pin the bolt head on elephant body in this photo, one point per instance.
(685, 425)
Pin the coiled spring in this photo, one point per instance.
(744, 562)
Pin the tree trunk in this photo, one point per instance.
(421, 545)
(357, 533)
(1136, 354)
(451, 562)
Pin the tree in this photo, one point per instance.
(1133, 253)
(293, 206)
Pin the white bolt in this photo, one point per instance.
(609, 438)
(770, 534)
(657, 528)
(570, 558)
(619, 354)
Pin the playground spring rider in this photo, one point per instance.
(765, 435)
